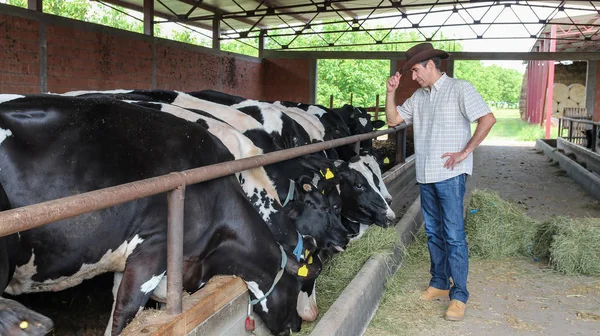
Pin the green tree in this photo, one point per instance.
(497, 86)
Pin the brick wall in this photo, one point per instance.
(287, 79)
(86, 60)
(85, 56)
(19, 55)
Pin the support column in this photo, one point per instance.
(591, 85)
(550, 84)
(450, 68)
(261, 44)
(216, 33)
(313, 77)
(149, 17)
(35, 5)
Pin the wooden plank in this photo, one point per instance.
(197, 308)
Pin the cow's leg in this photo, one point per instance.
(115, 291)
(142, 274)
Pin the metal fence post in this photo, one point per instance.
(559, 127)
(594, 137)
(400, 139)
(570, 131)
(175, 250)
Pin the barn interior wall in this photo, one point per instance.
(19, 55)
(287, 79)
(44, 53)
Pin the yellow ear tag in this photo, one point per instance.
(310, 260)
(306, 253)
(323, 192)
(386, 160)
(328, 174)
(23, 325)
(303, 271)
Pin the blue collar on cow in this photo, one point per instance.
(299, 247)
(290, 195)
(277, 277)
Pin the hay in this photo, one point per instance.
(544, 236)
(341, 268)
(496, 228)
(576, 247)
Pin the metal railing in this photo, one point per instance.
(35, 215)
(568, 122)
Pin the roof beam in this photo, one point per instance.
(463, 56)
(215, 11)
(345, 10)
(167, 17)
(273, 4)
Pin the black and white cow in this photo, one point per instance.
(80, 145)
(313, 211)
(369, 188)
(16, 319)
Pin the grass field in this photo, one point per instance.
(509, 126)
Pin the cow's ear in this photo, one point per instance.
(378, 124)
(304, 270)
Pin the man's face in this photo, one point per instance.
(422, 75)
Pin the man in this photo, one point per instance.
(441, 112)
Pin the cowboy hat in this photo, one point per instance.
(420, 53)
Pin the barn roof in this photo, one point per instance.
(429, 19)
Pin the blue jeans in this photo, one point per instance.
(442, 207)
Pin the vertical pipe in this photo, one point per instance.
(377, 107)
(400, 146)
(331, 101)
(216, 32)
(35, 5)
(529, 89)
(261, 43)
(313, 78)
(149, 17)
(175, 250)
(594, 137)
(570, 131)
(550, 87)
(351, 94)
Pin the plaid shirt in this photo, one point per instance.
(441, 117)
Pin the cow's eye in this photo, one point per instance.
(359, 186)
(336, 209)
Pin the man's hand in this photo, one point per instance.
(393, 82)
(454, 159)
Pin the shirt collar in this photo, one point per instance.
(439, 83)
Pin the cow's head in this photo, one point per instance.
(17, 320)
(363, 201)
(279, 311)
(317, 210)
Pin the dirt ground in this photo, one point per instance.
(524, 297)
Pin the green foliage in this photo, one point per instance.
(509, 126)
(498, 86)
(18, 3)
